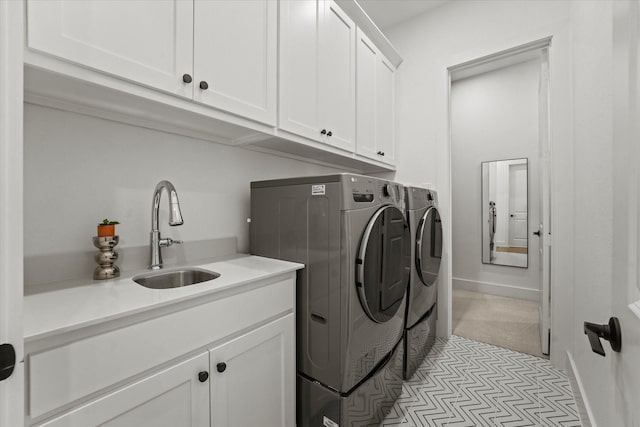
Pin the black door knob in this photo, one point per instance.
(323, 132)
(382, 153)
(186, 78)
(204, 85)
(7, 361)
(329, 133)
(379, 153)
(221, 367)
(203, 376)
(537, 233)
(610, 332)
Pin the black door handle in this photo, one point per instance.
(221, 367)
(537, 233)
(7, 361)
(610, 332)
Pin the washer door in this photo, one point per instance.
(383, 264)
(429, 246)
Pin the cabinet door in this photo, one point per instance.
(235, 55)
(366, 108)
(253, 378)
(300, 22)
(385, 107)
(148, 42)
(338, 77)
(170, 398)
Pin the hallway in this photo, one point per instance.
(468, 383)
(505, 322)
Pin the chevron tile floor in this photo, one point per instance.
(468, 383)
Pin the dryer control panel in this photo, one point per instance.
(373, 190)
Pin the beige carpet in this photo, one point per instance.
(505, 322)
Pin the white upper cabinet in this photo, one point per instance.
(300, 22)
(221, 53)
(375, 102)
(385, 107)
(147, 42)
(317, 72)
(338, 77)
(235, 56)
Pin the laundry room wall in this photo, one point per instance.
(580, 74)
(494, 116)
(80, 169)
(455, 33)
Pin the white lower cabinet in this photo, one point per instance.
(227, 362)
(172, 397)
(252, 383)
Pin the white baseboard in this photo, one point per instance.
(584, 409)
(496, 289)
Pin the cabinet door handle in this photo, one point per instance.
(186, 78)
(379, 153)
(204, 85)
(221, 367)
(323, 132)
(203, 376)
(329, 133)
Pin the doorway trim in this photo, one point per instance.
(11, 215)
(480, 65)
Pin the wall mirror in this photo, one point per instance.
(505, 212)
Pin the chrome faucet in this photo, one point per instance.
(175, 218)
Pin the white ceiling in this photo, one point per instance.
(386, 13)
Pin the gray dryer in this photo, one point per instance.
(351, 234)
(426, 253)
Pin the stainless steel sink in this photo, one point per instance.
(176, 278)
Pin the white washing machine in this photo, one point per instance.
(426, 253)
(351, 234)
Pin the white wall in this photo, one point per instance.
(462, 31)
(581, 168)
(79, 170)
(494, 116)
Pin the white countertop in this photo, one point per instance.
(64, 310)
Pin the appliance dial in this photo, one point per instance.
(387, 190)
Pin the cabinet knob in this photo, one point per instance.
(203, 376)
(382, 153)
(204, 85)
(221, 367)
(329, 133)
(186, 78)
(323, 132)
(379, 153)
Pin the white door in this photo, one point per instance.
(235, 56)
(253, 378)
(176, 396)
(518, 206)
(300, 22)
(148, 41)
(11, 223)
(544, 238)
(338, 77)
(625, 366)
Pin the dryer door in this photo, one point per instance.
(383, 264)
(429, 246)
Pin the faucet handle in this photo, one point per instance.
(166, 242)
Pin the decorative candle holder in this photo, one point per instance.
(106, 258)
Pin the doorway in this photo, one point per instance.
(500, 204)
